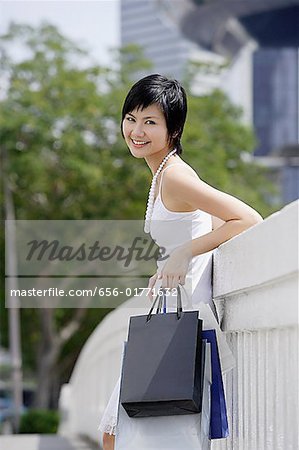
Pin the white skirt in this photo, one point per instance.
(109, 418)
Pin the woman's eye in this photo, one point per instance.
(131, 119)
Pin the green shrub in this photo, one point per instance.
(40, 421)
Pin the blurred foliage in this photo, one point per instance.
(60, 127)
(39, 421)
(59, 124)
(220, 148)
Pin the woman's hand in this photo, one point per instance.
(174, 271)
(176, 267)
(151, 284)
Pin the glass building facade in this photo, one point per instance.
(143, 23)
(275, 99)
(276, 113)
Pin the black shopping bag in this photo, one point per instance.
(163, 364)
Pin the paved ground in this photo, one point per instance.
(44, 442)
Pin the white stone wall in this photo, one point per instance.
(256, 291)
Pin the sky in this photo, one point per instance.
(93, 24)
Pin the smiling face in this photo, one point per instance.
(145, 131)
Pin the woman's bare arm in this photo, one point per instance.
(235, 215)
(216, 222)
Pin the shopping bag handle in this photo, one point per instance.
(161, 296)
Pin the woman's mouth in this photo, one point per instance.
(139, 144)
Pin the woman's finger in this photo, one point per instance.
(174, 281)
(165, 281)
(150, 285)
(182, 279)
(152, 280)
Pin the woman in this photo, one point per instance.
(153, 119)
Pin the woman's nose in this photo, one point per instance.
(137, 130)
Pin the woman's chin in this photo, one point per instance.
(137, 153)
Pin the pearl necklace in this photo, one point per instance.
(151, 195)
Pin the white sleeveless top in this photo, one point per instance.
(170, 229)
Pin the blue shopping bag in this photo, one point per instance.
(218, 418)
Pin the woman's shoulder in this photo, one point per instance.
(177, 173)
(176, 181)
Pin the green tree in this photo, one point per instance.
(59, 131)
(221, 149)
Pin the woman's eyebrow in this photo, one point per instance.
(146, 117)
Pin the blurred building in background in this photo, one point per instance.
(260, 42)
(163, 42)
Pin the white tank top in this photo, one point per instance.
(170, 229)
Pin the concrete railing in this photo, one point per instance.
(255, 288)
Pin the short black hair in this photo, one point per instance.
(169, 95)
